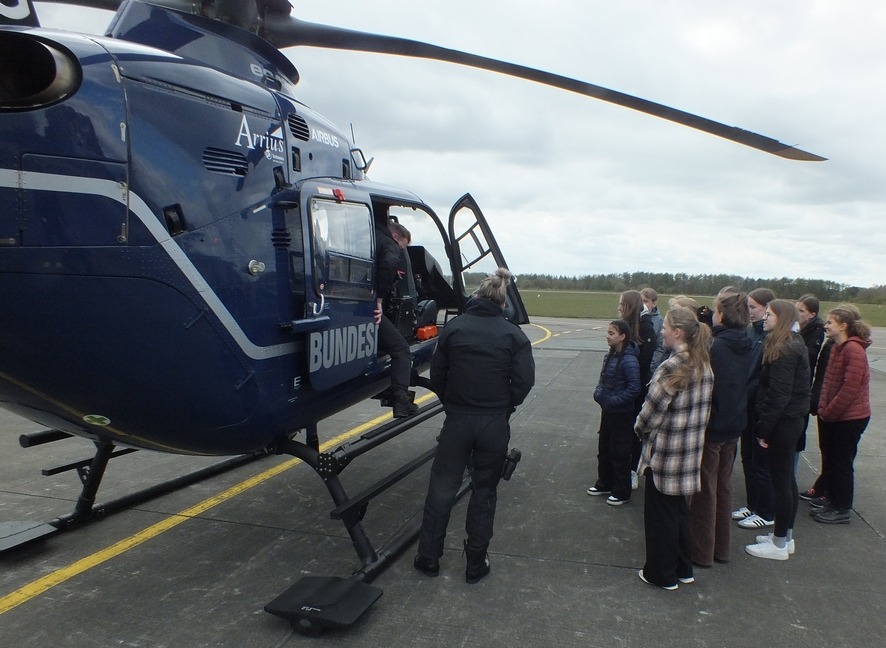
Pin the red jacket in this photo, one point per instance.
(846, 393)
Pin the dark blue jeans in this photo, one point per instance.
(481, 440)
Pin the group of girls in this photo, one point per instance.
(690, 422)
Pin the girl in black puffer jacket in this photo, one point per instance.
(616, 392)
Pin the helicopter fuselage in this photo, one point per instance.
(186, 257)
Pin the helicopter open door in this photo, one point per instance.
(476, 254)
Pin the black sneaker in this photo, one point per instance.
(816, 511)
(809, 494)
(833, 516)
(819, 502)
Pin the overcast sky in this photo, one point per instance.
(574, 186)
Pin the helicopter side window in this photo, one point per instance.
(342, 248)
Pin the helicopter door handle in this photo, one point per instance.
(314, 306)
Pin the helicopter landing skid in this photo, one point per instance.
(315, 603)
(17, 534)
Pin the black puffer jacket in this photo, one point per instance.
(731, 359)
(784, 388)
(483, 363)
(619, 383)
(813, 337)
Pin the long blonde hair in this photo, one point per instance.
(778, 339)
(697, 337)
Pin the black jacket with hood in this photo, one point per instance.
(731, 357)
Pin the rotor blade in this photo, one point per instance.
(290, 32)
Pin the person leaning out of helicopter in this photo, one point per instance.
(388, 271)
(481, 370)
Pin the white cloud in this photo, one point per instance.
(575, 186)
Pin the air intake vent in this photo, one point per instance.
(299, 127)
(227, 162)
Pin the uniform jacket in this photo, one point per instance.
(784, 388)
(387, 262)
(846, 392)
(671, 425)
(483, 363)
(731, 362)
(619, 384)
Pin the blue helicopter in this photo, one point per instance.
(187, 251)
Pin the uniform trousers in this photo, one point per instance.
(482, 440)
(392, 342)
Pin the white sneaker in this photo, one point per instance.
(767, 550)
(754, 521)
(742, 513)
(762, 539)
(635, 480)
(612, 500)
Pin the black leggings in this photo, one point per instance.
(782, 449)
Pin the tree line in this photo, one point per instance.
(704, 284)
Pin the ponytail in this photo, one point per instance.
(495, 286)
(697, 338)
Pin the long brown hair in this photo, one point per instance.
(632, 303)
(697, 338)
(778, 339)
(850, 315)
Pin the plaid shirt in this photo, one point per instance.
(672, 425)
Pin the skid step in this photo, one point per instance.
(16, 534)
(317, 603)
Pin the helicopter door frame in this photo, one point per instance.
(482, 245)
(342, 262)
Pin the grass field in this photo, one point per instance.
(600, 305)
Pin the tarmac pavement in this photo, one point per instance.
(196, 567)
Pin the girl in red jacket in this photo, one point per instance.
(844, 409)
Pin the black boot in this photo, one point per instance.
(427, 566)
(403, 406)
(478, 564)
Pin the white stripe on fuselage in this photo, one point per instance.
(115, 191)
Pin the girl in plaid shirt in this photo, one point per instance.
(671, 425)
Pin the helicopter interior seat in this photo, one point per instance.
(432, 288)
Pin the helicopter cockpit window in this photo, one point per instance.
(342, 240)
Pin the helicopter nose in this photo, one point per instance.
(35, 73)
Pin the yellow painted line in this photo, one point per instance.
(548, 334)
(41, 585)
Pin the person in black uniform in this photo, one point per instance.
(388, 272)
(482, 370)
